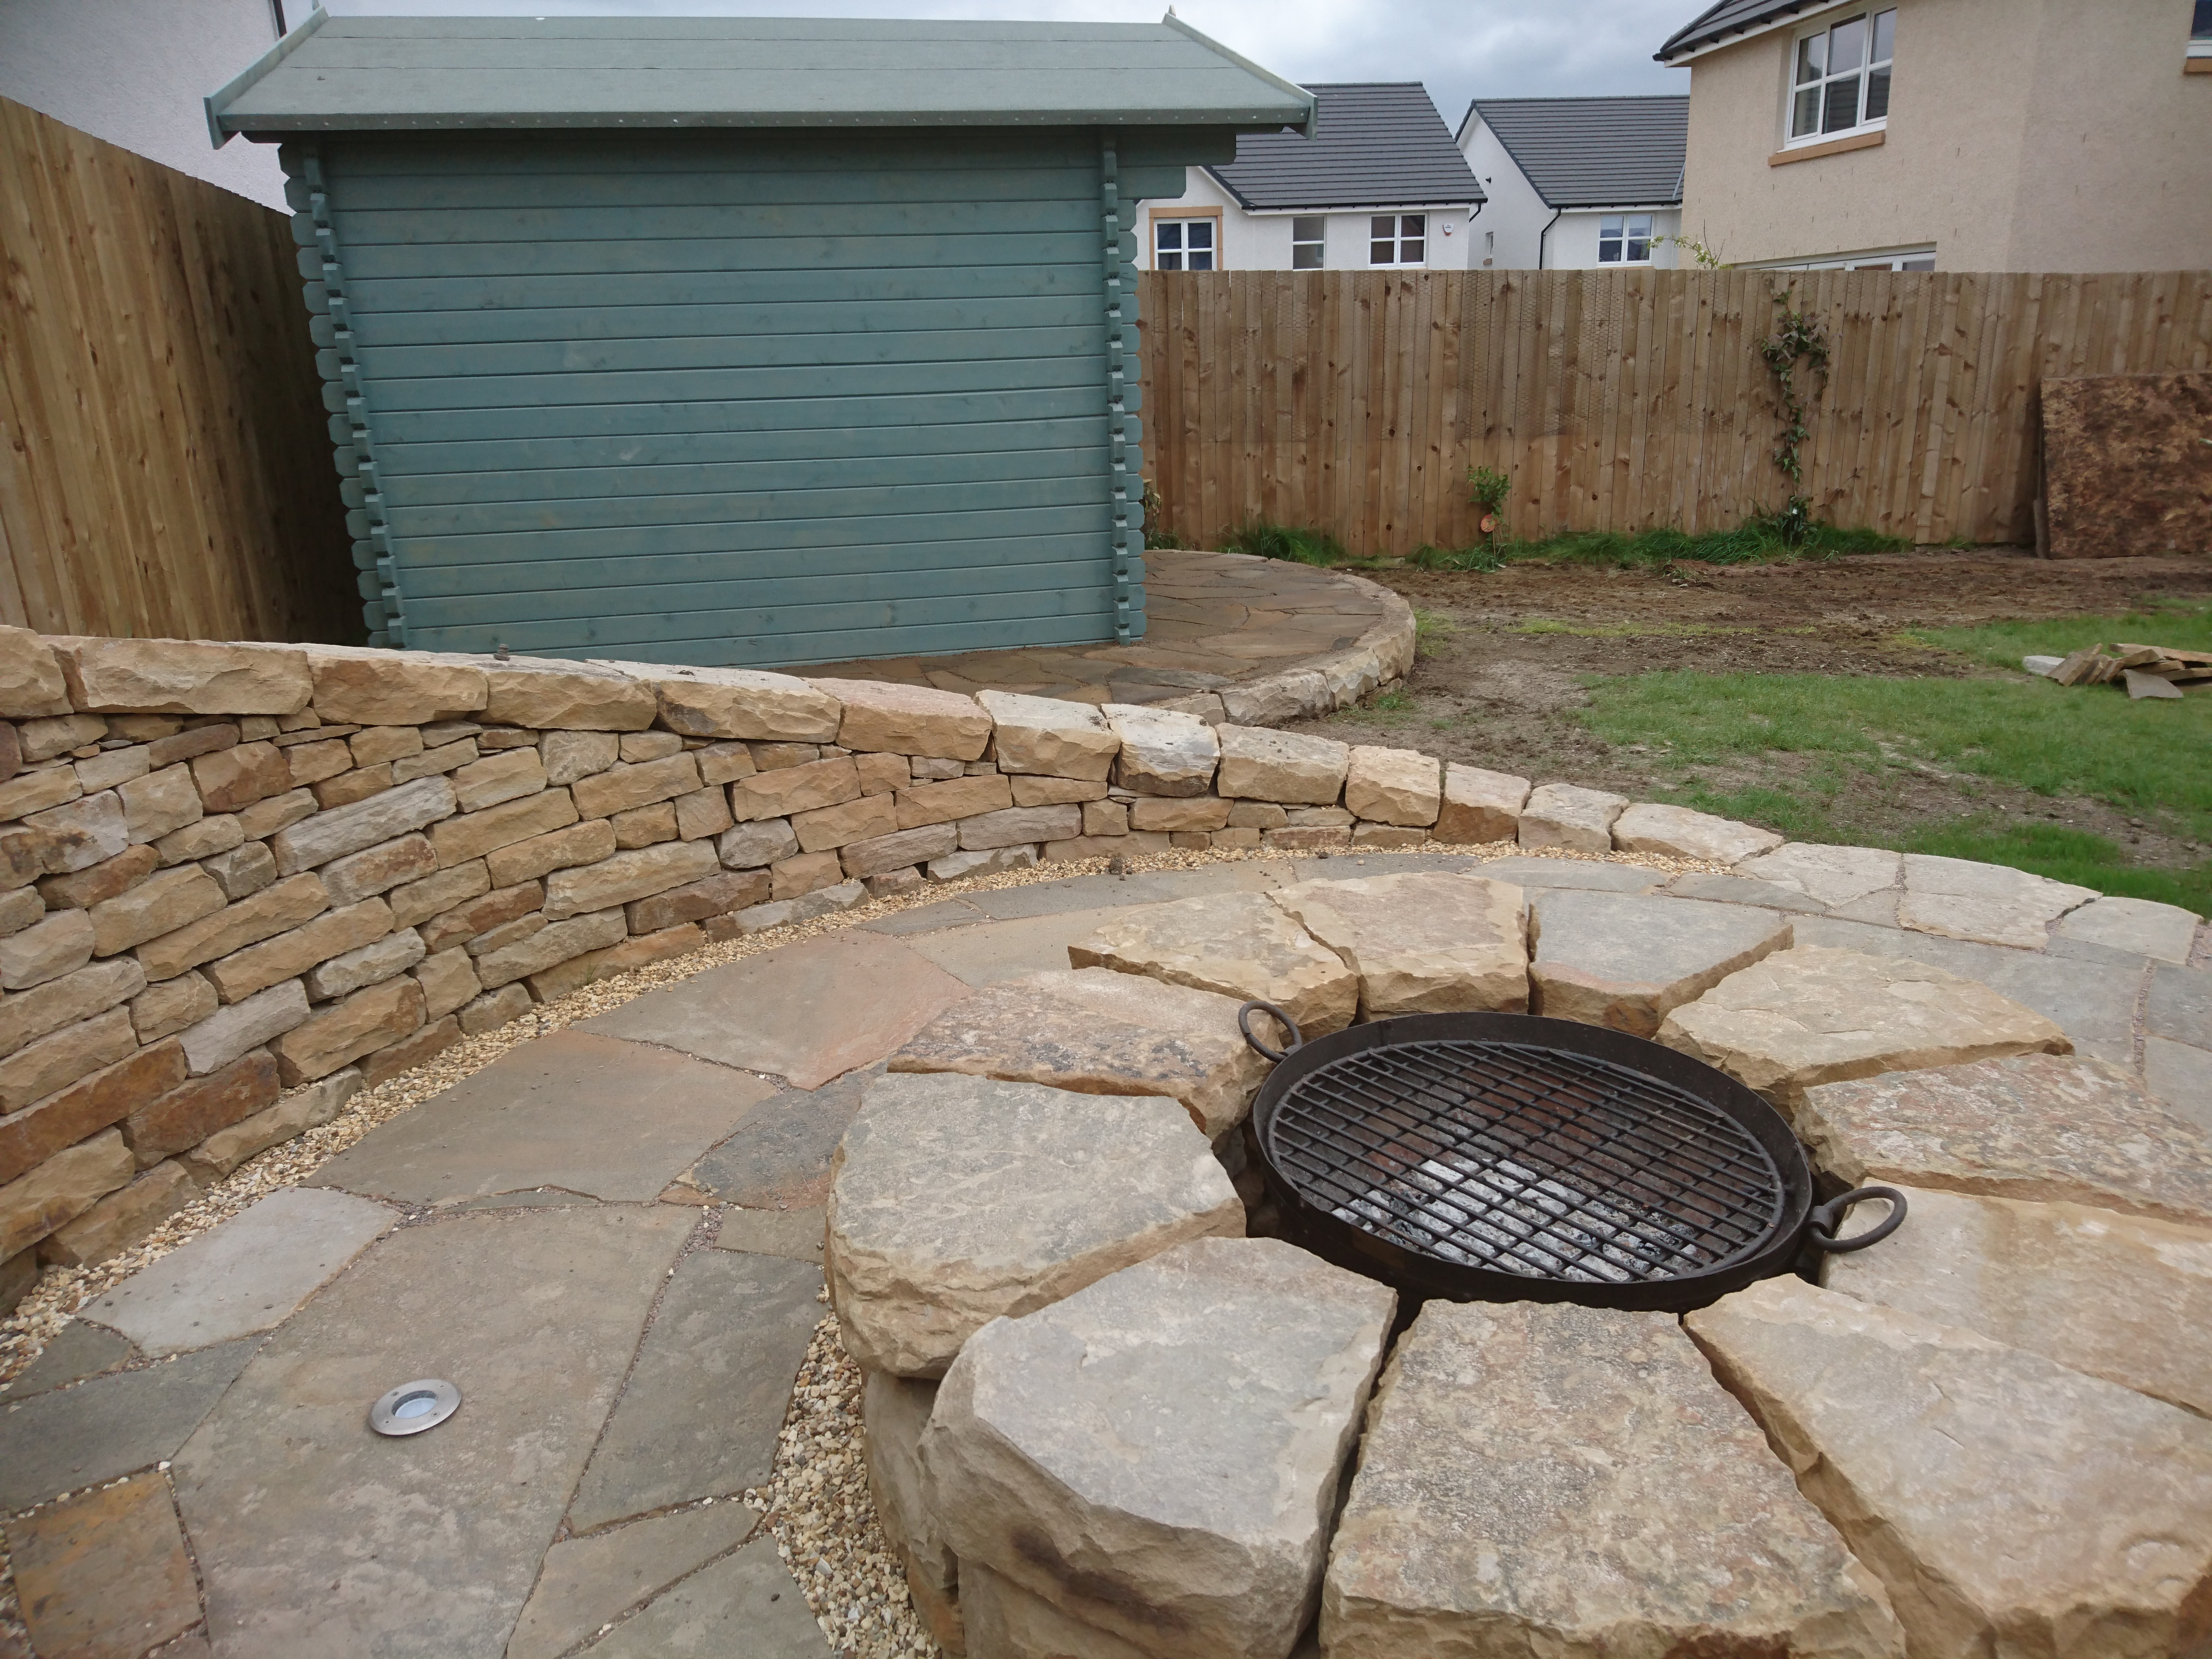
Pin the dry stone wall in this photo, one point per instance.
(238, 882)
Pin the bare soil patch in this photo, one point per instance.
(1498, 683)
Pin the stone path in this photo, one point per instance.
(610, 1240)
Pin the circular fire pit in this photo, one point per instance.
(1485, 1157)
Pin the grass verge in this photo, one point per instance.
(1852, 732)
(2186, 626)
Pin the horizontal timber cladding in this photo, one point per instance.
(735, 398)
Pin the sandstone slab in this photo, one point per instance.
(954, 799)
(1808, 1015)
(2111, 1296)
(1193, 1532)
(1236, 945)
(629, 785)
(954, 1200)
(2164, 930)
(1283, 767)
(190, 1111)
(246, 1275)
(2060, 1129)
(2006, 1502)
(105, 1573)
(370, 964)
(1566, 815)
(1986, 903)
(1678, 832)
(1163, 752)
(783, 790)
(1427, 943)
(1165, 814)
(587, 1584)
(1548, 1478)
(29, 1015)
(1480, 805)
(184, 676)
(62, 1188)
(287, 956)
(31, 682)
(222, 1036)
(883, 717)
(544, 696)
(894, 1411)
(1094, 1031)
(355, 685)
(742, 703)
(363, 875)
(159, 905)
(64, 941)
(1394, 786)
(627, 876)
(828, 828)
(344, 1032)
(550, 945)
(365, 824)
(1049, 737)
(29, 1137)
(1832, 876)
(83, 833)
(1626, 960)
(509, 775)
(712, 895)
(899, 851)
(593, 966)
(122, 1219)
(459, 840)
(294, 1114)
(1018, 826)
(38, 1069)
(162, 802)
(701, 1405)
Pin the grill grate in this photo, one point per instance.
(1528, 1160)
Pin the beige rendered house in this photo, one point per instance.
(1950, 135)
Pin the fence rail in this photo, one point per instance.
(1356, 402)
(165, 467)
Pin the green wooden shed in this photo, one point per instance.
(737, 340)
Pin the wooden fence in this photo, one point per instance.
(164, 461)
(1356, 402)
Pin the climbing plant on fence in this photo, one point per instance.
(1798, 346)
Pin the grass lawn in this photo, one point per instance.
(2152, 760)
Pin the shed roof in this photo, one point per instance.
(341, 74)
(1729, 17)
(1374, 143)
(1593, 152)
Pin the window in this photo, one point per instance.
(1183, 244)
(1839, 78)
(1309, 242)
(1625, 239)
(2200, 36)
(1398, 239)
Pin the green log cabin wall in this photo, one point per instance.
(733, 398)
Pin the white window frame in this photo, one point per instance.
(1868, 18)
(1625, 238)
(1397, 240)
(1318, 241)
(1182, 249)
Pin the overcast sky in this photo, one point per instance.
(1460, 49)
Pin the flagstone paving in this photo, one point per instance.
(1212, 620)
(610, 1239)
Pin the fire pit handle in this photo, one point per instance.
(1829, 1216)
(1244, 1025)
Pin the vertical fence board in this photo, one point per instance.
(165, 468)
(1355, 401)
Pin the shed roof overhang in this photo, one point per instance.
(444, 74)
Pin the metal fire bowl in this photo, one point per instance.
(1423, 1275)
